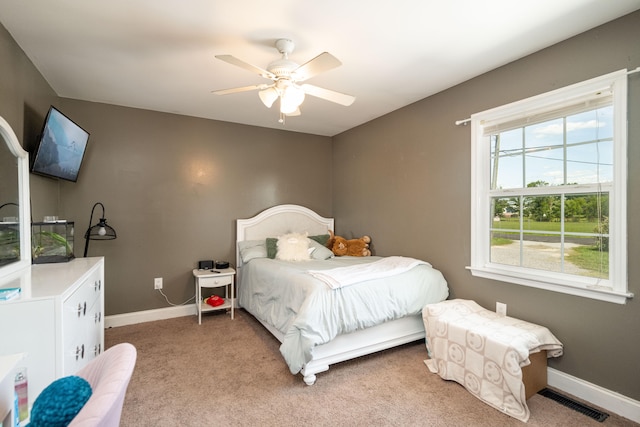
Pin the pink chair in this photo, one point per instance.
(109, 376)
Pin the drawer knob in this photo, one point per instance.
(82, 309)
(80, 352)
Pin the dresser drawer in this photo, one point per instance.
(82, 300)
(213, 282)
(83, 341)
(82, 324)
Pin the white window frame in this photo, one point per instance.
(615, 289)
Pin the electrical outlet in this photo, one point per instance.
(501, 309)
(157, 283)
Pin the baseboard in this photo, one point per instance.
(149, 315)
(599, 396)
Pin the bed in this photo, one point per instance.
(317, 324)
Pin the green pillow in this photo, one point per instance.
(321, 238)
(272, 247)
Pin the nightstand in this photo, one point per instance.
(214, 279)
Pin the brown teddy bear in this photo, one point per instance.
(351, 247)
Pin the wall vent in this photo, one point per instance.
(572, 404)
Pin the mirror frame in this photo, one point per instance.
(24, 199)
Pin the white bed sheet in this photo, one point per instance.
(308, 313)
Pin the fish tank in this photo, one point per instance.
(52, 242)
(9, 240)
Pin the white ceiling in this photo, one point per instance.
(159, 54)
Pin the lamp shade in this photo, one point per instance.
(291, 99)
(99, 231)
(268, 96)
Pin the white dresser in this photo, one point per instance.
(58, 320)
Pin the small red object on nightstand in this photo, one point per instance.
(214, 301)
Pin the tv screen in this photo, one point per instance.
(61, 147)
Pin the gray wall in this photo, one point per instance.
(409, 188)
(172, 187)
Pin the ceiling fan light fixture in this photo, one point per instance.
(286, 76)
(292, 97)
(268, 96)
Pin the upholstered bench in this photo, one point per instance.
(486, 353)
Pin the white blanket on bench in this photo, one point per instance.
(484, 352)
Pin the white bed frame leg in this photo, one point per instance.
(310, 370)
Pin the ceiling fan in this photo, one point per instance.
(286, 76)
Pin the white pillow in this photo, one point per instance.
(250, 249)
(319, 251)
(293, 247)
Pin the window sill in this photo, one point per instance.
(542, 282)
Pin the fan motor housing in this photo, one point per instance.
(282, 67)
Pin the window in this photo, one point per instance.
(549, 184)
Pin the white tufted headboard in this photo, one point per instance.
(279, 220)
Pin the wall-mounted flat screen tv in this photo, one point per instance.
(61, 147)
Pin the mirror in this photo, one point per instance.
(15, 221)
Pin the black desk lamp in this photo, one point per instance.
(100, 231)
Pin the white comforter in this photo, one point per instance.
(308, 313)
(346, 276)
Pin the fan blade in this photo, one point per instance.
(257, 70)
(240, 89)
(321, 63)
(329, 95)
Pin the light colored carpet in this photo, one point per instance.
(230, 373)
